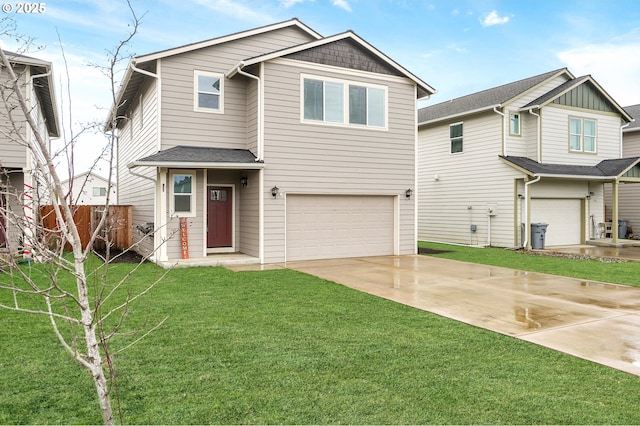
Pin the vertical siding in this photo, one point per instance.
(323, 159)
(555, 136)
(469, 183)
(135, 143)
(181, 125)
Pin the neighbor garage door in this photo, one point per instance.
(333, 226)
(563, 217)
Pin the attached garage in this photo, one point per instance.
(335, 226)
(564, 217)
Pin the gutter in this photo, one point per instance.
(197, 165)
(461, 114)
(238, 70)
(131, 166)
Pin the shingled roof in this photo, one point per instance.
(634, 111)
(485, 99)
(605, 169)
(194, 156)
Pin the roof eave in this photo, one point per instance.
(461, 114)
(197, 165)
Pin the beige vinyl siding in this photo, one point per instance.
(12, 150)
(629, 194)
(555, 136)
(181, 125)
(248, 209)
(469, 183)
(15, 210)
(309, 158)
(135, 190)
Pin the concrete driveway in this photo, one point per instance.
(591, 320)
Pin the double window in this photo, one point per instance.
(183, 200)
(582, 135)
(99, 191)
(344, 102)
(455, 136)
(207, 91)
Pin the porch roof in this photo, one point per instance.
(200, 157)
(605, 170)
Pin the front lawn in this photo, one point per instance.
(588, 269)
(284, 347)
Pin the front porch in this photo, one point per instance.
(218, 259)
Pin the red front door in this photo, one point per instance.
(219, 216)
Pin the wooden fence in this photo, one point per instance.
(117, 230)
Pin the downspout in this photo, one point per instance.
(504, 136)
(538, 135)
(238, 69)
(622, 137)
(133, 67)
(525, 243)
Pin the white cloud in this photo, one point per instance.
(343, 4)
(615, 66)
(492, 18)
(236, 9)
(288, 3)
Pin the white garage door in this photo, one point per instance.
(563, 217)
(333, 226)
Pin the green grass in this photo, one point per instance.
(589, 269)
(284, 347)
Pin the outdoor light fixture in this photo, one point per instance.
(408, 192)
(244, 181)
(274, 191)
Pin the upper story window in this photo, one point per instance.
(514, 124)
(183, 200)
(582, 135)
(455, 135)
(208, 91)
(344, 102)
(99, 191)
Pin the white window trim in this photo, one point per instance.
(582, 149)
(451, 139)
(192, 212)
(196, 107)
(345, 110)
(519, 133)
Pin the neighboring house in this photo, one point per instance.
(275, 142)
(538, 150)
(89, 188)
(19, 179)
(629, 195)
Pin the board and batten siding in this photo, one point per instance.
(181, 125)
(138, 139)
(555, 136)
(310, 158)
(457, 190)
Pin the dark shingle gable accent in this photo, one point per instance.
(606, 168)
(195, 154)
(345, 53)
(484, 99)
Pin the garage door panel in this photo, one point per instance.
(564, 217)
(332, 226)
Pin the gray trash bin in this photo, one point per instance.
(622, 228)
(538, 231)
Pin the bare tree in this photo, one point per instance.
(76, 312)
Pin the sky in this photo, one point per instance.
(457, 47)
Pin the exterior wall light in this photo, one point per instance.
(244, 181)
(408, 192)
(274, 191)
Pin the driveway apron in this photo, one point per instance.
(596, 321)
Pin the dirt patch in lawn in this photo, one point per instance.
(424, 250)
(119, 256)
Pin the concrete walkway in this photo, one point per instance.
(591, 320)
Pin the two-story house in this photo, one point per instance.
(535, 151)
(89, 188)
(276, 143)
(19, 178)
(628, 195)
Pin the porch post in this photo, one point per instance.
(614, 213)
(161, 216)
